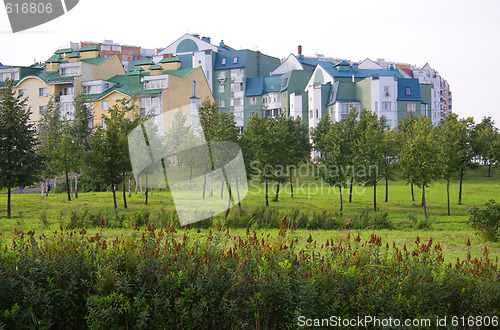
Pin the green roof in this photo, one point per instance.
(144, 62)
(155, 67)
(64, 51)
(170, 59)
(179, 72)
(89, 48)
(53, 76)
(73, 55)
(55, 59)
(137, 68)
(96, 60)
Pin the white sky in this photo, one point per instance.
(458, 38)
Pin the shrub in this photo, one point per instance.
(486, 220)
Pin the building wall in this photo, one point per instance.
(32, 86)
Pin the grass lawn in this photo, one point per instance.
(31, 212)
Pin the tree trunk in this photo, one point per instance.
(291, 182)
(124, 192)
(43, 190)
(424, 201)
(238, 193)
(375, 197)
(191, 174)
(140, 184)
(146, 190)
(350, 188)
(129, 186)
(277, 192)
(489, 169)
(222, 190)
(267, 200)
(448, 194)
(460, 190)
(55, 182)
(386, 190)
(205, 181)
(151, 188)
(412, 194)
(68, 186)
(135, 184)
(8, 204)
(341, 205)
(113, 188)
(228, 189)
(76, 186)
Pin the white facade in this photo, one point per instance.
(290, 64)
(384, 94)
(296, 105)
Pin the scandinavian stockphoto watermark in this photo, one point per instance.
(25, 14)
(171, 149)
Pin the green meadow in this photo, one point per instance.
(31, 212)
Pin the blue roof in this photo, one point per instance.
(272, 84)
(332, 70)
(412, 86)
(255, 86)
(233, 59)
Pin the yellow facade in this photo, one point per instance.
(113, 98)
(180, 90)
(32, 85)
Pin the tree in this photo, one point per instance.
(333, 146)
(484, 136)
(390, 159)
(81, 130)
(372, 149)
(109, 157)
(455, 152)
(298, 148)
(19, 163)
(404, 133)
(418, 156)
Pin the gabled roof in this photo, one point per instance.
(89, 48)
(155, 67)
(179, 72)
(73, 55)
(96, 60)
(54, 59)
(64, 51)
(53, 76)
(413, 87)
(255, 86)
(170, 59)
(143, 62)
(229, 58)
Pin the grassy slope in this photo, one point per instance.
(451, 231)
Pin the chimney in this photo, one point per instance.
(299, 50)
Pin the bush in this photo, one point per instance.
(165, 279)
(486, 220)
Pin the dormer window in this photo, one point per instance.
(224, 61)
(235, 60)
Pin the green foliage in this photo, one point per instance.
(19, 164)
(486, 220)
(168, 279)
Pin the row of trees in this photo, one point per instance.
(362, 149)
(359, 150)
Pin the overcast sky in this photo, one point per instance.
(458, 38)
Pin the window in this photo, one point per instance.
(317, 115)
(69, 71)
(310, 114)
(408, 91)
(105, 105)
(67, 91)
(222, 88)
(235, 60)
(194, 88)
(386, 106)
(42, 92)
(376, 106)
(22, 93)
(221, 75)
(155, 84)
(224, 61)
(251, 114)
(386, 90)
(42, 110)
(222, 103)
(253, 101)
(411, 107)
(285, 81)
